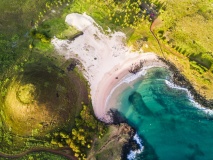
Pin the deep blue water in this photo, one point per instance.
(169, 124)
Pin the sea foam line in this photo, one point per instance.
(132, 154)
(126, 79)
(129, 78)
(191, 98)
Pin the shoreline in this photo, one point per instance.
(109, 83)
(106, 62)
(105, 59)
(178, 81)
(128, 81)
(181, 81)
(199, 102)
(134, 144)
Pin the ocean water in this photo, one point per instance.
(169, 124)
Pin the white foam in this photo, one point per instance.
(132, 154)
(133, 77)
(191, 98)
(129, 78)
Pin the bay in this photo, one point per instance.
(168, 122)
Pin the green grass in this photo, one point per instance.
(57, 95)
(39, 156)
(114, 14)
(22, 63)
(57, 89)
(55, 26)
(184, 31)
(195, 66)
(16, 20)
(185, 34)
(189, 24)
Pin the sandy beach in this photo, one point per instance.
(106, 59)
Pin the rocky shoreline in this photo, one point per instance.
(182, 81)
(118, 120)
(131, 144)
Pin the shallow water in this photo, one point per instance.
(167, 121)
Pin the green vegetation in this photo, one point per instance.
(40, 98)
(38, 94)
(184, 30)
(188, 28)
(82, 136)
(133, 17)
(41, 155)
(39, 88)
(40, 101)
(48, 29)
(16, 19)
(38, 156)
(201, 69)
(116, 15)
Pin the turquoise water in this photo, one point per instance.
(169, 124)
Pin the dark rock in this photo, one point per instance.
(131, 145)
(116, 116)
(182, 81)
(136, 67)
(73, 64)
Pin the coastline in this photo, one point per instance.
(106, 64)
(180, 80)
(105, 59)
(133, 144)
(109, 82)
(177, 81)
(128, 81)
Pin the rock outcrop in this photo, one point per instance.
(111, 145)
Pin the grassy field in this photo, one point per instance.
(41, 155)
(16, 20)
(41, 98)
(38, 94)
(184, 29)
(38, 156)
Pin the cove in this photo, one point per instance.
(166, 119)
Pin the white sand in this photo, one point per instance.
(104, 58)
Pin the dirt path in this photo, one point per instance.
(65, 152)
(155, 23)
(151, 30)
